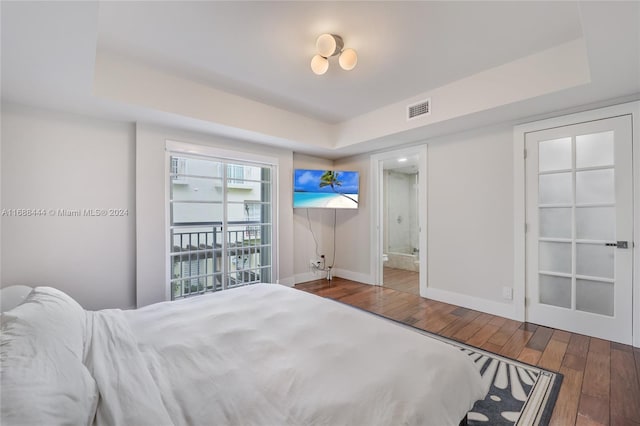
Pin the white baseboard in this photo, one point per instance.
(288, 281)
(336, 272)
(353, 276)
(506, 310)
(309, 276)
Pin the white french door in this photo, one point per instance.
(580, 228)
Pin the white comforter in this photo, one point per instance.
(270, 355)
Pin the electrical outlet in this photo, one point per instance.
(507, 293)
(316, 264)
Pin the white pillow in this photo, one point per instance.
(42, 375)
(12, 296)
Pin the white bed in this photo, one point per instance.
(257, 355)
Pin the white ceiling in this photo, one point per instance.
(261, 51)
(408, 164)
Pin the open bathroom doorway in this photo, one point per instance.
(399, 249)
(400, 259)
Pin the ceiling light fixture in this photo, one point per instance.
(329, 45)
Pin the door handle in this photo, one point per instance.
(619, 244)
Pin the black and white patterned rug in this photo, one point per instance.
(520, 394)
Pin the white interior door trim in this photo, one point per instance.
(519, 207)
(376, 165)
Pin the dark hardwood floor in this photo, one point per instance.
(601, 379)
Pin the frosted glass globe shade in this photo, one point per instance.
(348, 59)
(326, 45)
(319, 65)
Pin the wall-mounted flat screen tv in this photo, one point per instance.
(331, 189)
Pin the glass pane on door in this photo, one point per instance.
(596, 223)
(555, 154)
(587, 216)
(555, 291)
(595, 297)
(221, 229)
(555, 188)
(555, 222)
(555, 257)
(595, 260)
(197, 189)
(594, 150)
(595, 186)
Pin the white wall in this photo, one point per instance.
(54, 160)
(351, 254)
(470, 214)
(542, 73)
(321, 221)
(469, 217)
(57, 161)
(353, 230)
(151, 231)
(1, 199)
(118, 78)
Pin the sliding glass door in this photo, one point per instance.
(221, 228)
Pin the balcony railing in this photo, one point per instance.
(202, 261)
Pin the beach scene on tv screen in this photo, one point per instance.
(325, 189)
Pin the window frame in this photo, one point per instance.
(211, 153)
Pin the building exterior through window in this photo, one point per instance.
(221, 228)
